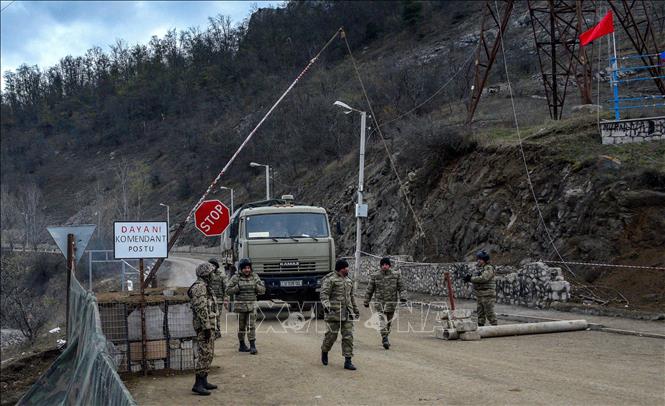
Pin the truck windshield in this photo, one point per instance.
(287, 225)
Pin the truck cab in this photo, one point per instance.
(290, 246)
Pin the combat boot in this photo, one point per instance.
(243, 346)
(199, 387)
(252, 347)
(206, 384)
(324, 358)
(386, 343)
(348, 364)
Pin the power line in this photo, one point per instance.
(519, 138)
(10, 3)
(385, 144)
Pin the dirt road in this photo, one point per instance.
(586, 367)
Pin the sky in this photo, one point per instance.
(42, 32)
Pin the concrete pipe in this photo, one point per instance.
(532, 328)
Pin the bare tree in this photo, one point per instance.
(21, 308)
(10, 219)
(34, 220)
(123, 171)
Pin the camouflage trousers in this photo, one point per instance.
(485, 309)
(385, 321)
(218, 331)
(205, 352)
(331, 336)
(247, 324)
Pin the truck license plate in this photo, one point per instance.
(290, 283)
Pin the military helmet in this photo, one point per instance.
(483, 255)
(204, 270)
(214, 262)
(385, 261)
(244, 262)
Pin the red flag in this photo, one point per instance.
(604, 27)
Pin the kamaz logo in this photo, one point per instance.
(289, 263)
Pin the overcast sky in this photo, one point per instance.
(42, 32)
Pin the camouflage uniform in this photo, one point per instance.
(218, 283)
(387, 289)
(340, 306)
(246, 289)
(204, 309)
(485, 289)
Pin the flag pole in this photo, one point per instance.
(615, 79)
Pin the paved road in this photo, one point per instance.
(586, 367)
(178, 271)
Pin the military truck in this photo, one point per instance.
(290, 246)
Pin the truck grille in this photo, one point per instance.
(289, 265)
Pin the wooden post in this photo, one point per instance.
(71, 262)
(144, 339)
(451, 292)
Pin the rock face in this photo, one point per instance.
(533, 284)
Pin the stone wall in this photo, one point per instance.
(533, 285)
(636, 130)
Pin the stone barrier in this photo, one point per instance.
(533, 285)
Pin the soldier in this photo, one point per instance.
(484, 287)
(204, 318)
(340, 310)
(246, 286)
(387, 288)
(218, 284)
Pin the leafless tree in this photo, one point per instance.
(123, 171)
(34, 220)
(21, 308)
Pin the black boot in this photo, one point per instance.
(243, 346)
(348, 364)
(386, 343)
(252, 347)
(199, 388)
(206, 384)
(324, 358)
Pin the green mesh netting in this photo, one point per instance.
(84, 374)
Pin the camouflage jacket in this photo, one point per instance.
(483, 282)
(246, 289)
(337, 298)
(204, 306)
(387, 288)
(218, 284)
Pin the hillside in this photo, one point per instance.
(109, 137)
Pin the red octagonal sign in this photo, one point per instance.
(212, 217)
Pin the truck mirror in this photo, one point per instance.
(339, 228)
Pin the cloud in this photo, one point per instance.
(42, 33)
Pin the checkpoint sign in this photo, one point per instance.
(212, 218)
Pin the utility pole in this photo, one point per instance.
(361, 210)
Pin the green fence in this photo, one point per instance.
(84, 374)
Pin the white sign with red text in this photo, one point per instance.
(140, 239)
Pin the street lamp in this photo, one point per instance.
(361, 209)
(255, 165)
(221, 237)
(168, 219)
(231, 189)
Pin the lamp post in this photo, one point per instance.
(361, 209)
(168, 219)
(255, 165)
(231, 189)
(221, 237)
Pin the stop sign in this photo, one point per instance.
(212, 217)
